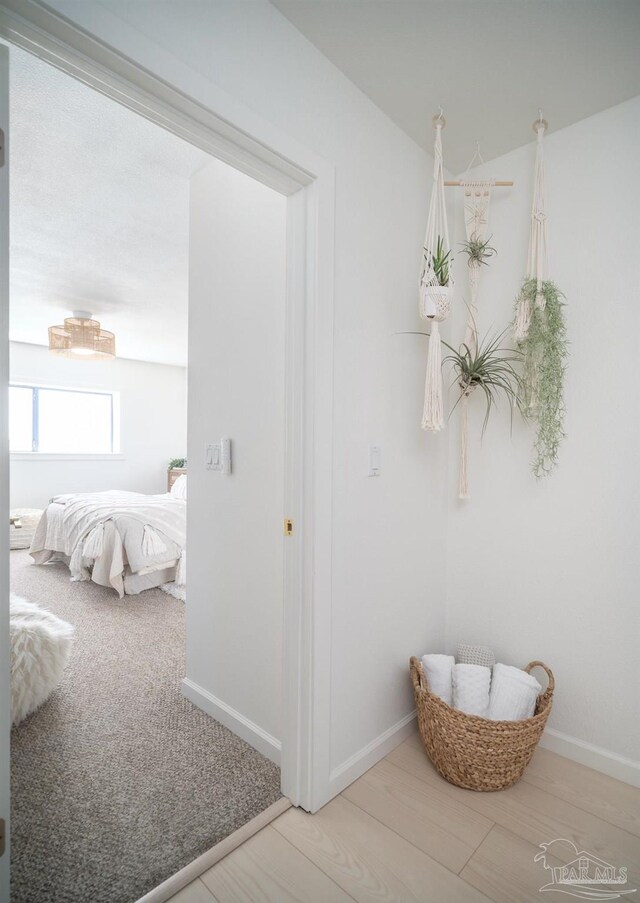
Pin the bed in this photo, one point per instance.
(125, 540)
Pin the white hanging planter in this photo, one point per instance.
(544, 353)
(434, 298)
(435, 301)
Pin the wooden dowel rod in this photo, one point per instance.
(497, 184)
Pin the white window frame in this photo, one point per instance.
(35, 455)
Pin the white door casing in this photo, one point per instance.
(5, 656)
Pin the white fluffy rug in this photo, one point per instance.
(172, 589)
(40, 650)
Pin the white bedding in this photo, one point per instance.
(109, 537)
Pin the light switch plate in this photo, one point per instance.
(213, 457)
(218, 456)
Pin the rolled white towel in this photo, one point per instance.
(471, 689)
(513, 694)
(438, 670)
(475, 655)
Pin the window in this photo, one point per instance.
(61, 421)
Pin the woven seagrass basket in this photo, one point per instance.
(474, 752)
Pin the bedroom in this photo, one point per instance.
(129, 216)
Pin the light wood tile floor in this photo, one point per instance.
(401, 833)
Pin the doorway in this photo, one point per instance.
(114, 764)
(305, 712)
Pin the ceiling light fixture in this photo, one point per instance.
(81, 338)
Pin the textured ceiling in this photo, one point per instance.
(99, 215)
(490, 63)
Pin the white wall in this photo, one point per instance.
(548, 570)
(387, 598)
(153, 426)
(237, 286)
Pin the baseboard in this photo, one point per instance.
(199, 866)
(356, 765)
(225, 714)
(592, 756)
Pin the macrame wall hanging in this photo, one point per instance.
(539, 330)
(477, 202)
(436, 285)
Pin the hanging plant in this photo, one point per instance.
(544, 350)
(493, 369)
(490, 368)
(439, 261)
(435, 285)
(540, 332)
(478, 252)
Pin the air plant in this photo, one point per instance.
(478, 251)
(439, 261)
(489, 367)
(544, 351)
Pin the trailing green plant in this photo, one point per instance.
(177, 463)
(439, 261)
(489, 367)
(478, 251)
(544, 350)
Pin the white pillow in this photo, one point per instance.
(179, 488)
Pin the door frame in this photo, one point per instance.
(5, 645)
(231, 132)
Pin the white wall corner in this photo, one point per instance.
(248, 730)
(595, 757)
(360, 762)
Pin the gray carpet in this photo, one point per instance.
(117, 780)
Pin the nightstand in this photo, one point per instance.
(173, 474)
